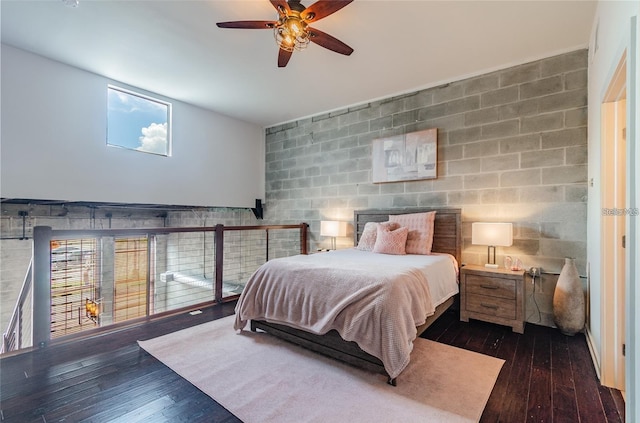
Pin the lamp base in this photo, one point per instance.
(491, 266)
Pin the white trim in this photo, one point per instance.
(613, 175)
(593, 351)
(632, 376)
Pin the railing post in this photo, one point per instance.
(219, 249)
(150, 277)
(303, 238)
(107, 281)
(266, 255)
(41, 286)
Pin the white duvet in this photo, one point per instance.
(376, 300)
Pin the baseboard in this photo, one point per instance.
(593, 351)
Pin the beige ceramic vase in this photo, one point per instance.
(568, 300)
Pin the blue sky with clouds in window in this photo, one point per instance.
(137, 123)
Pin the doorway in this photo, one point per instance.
(614, 180)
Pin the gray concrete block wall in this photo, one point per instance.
(512, 146)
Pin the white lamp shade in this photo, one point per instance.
(333, 228)
(493, 234)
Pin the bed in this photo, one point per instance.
(356, 305)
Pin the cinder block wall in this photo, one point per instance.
(512, 146)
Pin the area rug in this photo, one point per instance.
(262, 379)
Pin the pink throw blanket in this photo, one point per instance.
(371, 299)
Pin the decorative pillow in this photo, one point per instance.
(368, 237)
(391, 241)
(420, 227)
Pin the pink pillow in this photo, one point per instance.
(420, 227)
(368, 237)
(391, 241)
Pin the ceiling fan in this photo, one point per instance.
(292, 30)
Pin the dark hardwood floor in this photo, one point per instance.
(547, 377)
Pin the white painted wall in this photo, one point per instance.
(53, 145)
(612, 27)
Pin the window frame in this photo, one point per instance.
(148, 98)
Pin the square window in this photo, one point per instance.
(138, 122)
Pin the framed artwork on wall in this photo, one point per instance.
(406, 157)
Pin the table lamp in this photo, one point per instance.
(492, 235)
(333, 228)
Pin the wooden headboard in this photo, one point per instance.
(447, 236)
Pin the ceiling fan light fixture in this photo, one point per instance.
(291, 33)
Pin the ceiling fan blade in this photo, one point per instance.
(247, 24)
(283, 58)
(278, 4)
(322, 9)
(327, 41)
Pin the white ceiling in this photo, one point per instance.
(173, 48)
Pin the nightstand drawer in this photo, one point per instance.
(492, 295)
(491, 306)
(491, 286)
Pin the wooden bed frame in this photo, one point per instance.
(447, 239)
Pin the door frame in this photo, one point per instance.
(615, 180)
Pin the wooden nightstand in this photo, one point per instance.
(492, 295)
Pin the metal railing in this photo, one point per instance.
(87, 280)
(19, 327)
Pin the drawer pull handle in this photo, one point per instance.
(488, 286)
(491, 306)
